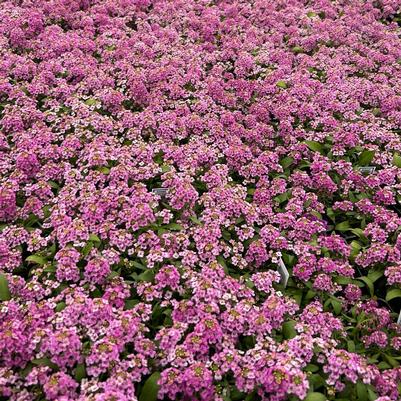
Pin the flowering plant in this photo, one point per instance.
(161, 162)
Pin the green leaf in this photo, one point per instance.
(286, 162)
(28, 369)
(337, 306)
(222, 262)
(343, 226)
(392, 294)
(393, 362)
(289, 330)
(4, 290)
(297, 49)
(80, 372)
(297, 296)
(316, 214)
(350, 346)
(147, 275)
(330, 213)
(39, 260)
(372, 395)
(165, 168)
(315, 146)
(362, 392)
(316, 380)
(343, 280)
(249, 283)
(359, 233)
(130, 303)
(138, 265)
(309, 295)
(369, 283)
(44, 362)
(356, 245)
(397, 160)
(195, 220)
(60, 306)
(226, 234)
(113, 274)
(251, 396)
(150, 388)
(311, 368)
(366, 157)
(91, 101)
(288, 259)
(376, 111)
(87, 248)
(281, 198)
(282, 84)
(236, 395)
(374, 275)
(384, 365)
(94, 238)
(174, 227)
(53, 184)
(315, 397)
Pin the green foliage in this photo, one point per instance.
(150, 388)
(289, 329)
(315, 397)
(366, 157)
(282, 84)
(4, 290)
(315, 146)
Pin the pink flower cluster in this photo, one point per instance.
(159, 160)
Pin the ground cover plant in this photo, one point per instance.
(161, 161)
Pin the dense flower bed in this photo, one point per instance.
(274, 128)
